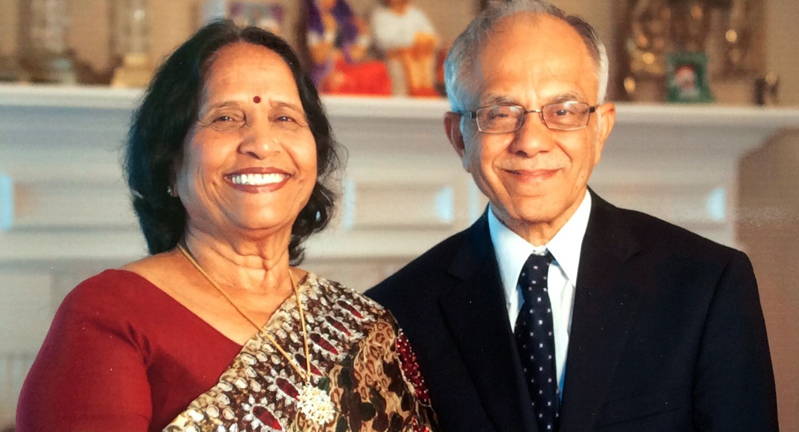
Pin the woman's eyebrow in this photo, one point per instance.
(223, 104)
(282, 104)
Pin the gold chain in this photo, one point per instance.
(306, 376)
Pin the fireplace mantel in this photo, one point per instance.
(403, 188)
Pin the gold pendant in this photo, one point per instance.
(316, 405)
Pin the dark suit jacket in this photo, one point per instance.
(667, 333)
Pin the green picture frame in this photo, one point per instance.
(687, 78)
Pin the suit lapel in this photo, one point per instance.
(604, 307)
(475, 312)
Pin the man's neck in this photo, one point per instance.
(539, 233)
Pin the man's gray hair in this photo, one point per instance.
(463, 56)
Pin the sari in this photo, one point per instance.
(358, 355)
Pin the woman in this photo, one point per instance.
(227, 161)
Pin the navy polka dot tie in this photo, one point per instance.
(536, 342)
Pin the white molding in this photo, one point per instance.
(408, 108)
(61, 146)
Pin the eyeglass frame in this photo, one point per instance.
(473, 116)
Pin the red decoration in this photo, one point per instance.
(411, 369)
(323, 343)
(349, 308)
(287, 388)
(257, 99)
(301, 360)
(338, 325)
(263, 414)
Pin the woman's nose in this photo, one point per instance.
(260, 141)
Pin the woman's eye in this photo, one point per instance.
(285, 118)
(224, 121)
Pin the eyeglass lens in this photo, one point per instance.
(509, 118)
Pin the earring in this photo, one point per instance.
(170, 191)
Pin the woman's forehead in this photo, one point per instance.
(250, 70)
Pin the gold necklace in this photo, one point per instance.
(314, 403)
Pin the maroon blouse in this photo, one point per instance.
(121, 355)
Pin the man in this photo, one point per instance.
(557, 310)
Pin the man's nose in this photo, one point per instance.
(533, 137)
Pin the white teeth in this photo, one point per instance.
(257, 179)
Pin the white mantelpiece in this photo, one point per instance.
(65, 213)
(403, 186)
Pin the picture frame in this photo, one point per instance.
(687, 78)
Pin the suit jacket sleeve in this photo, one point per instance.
(734, 387)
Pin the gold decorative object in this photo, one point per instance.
(725, 30)
(131, 43)
(44, 47)
(9, 69)
(741, 29)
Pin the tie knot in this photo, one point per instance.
(533, 277)
(537, 263)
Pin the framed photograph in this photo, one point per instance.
(687, 78)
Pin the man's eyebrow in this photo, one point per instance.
(566, 97)
(493, 99)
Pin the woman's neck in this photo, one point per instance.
(252, 265)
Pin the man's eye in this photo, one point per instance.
(567, 112)
(497, 114)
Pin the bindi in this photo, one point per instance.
(257, 99)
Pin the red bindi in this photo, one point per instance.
(257, 99)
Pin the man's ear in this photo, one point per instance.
(452, 126)
(606, 115)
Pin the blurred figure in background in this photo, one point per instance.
(339, 42)
(409, 41)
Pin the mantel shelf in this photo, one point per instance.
(418, 109)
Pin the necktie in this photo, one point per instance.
(535, 341)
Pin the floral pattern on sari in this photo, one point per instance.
(358, 355)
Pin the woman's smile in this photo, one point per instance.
(257, 180)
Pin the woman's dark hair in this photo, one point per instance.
(169, 109)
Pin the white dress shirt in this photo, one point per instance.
(512, 251)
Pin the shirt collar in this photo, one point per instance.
(512, 250)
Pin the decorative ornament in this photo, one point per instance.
(316, 405)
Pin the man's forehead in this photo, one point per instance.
(530, 35)
(533, 51)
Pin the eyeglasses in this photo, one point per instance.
(562, 116)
